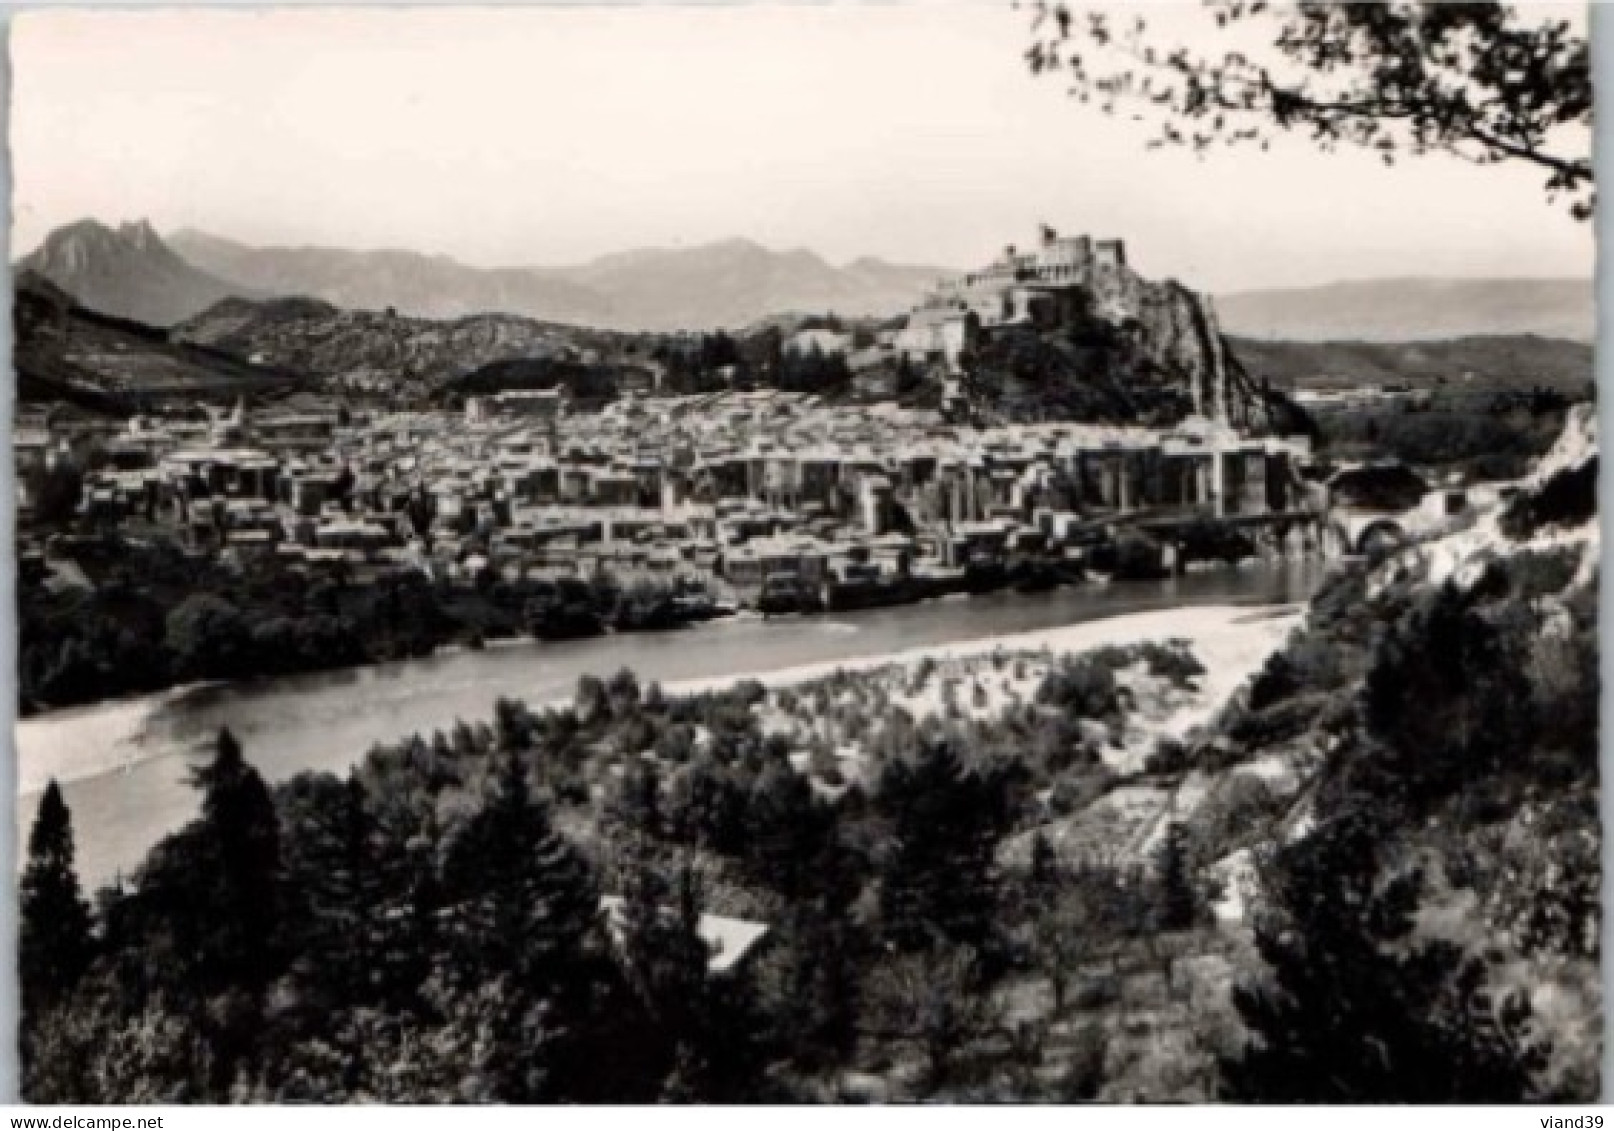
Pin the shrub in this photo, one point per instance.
(1567, 498)
(1080, 787)
(1097, 992)
(1168, 757)
(1532, 574)
(1280, 722)
(1237, 813)
(1083, 687)
(1084, 1074)
(1317, 659)
(1277, 680)
(1173, 662)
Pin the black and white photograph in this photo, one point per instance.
(972, 552)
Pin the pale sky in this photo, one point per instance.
(506, 137)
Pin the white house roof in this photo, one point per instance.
(727, 940)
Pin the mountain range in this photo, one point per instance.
(1476, 363)
(1414, 309)
(131, 271)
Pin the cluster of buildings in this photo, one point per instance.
(743, 491)
(1034, 286)
(1061, 282)
(1019, 287)
(753, 493)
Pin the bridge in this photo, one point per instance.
(1332, 529)
(1293, 531)
(1372, 531)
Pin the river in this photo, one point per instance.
(123, 764)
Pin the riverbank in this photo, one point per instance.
(1230, 640)
(124, 765)
(234, 636)
(1087, 710)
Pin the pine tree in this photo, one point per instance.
(786, 829)
(1355, 1010)
(1043, 880)
(664, 962)
(202, 934)
(683, 995)
(1178, 902)
(820, 982)
(1043, 869)
(635, 805)
(53, 944)
(524, 896)
(940, 880)
(338, 879)
(241, 901)
(525, 916)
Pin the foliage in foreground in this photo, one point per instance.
(432, 927)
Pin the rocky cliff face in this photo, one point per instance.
(1119, 347)
(1179, 331)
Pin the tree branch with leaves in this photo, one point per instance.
(1487, 83)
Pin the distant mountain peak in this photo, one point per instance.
(127, 271)
(721, 283)
(139, 234)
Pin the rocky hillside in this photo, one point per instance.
(66, 353)
(1394, 823)
(1432, 731)
(1179, 332)
(1123, 348)
(370, 351)
(127, 272)
(727, 284)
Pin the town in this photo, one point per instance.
(763, 555)
(752, 491)
(259, 523)
(768, 499)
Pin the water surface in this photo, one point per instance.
(123, 764)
